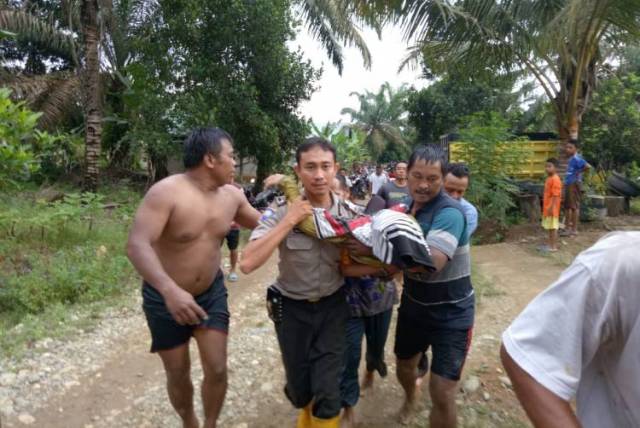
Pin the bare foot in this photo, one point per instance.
(410, 407)
(348, 418)
(367, 380)
(191, 421)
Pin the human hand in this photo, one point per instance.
(183, 307)
(272, 180)
(357, 248)
(390, 271)
(298, 210)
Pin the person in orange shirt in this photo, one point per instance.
(551, 204)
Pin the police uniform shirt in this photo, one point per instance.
(308, 267)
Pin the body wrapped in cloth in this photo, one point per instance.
(394, 236)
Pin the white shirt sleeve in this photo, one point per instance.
(559, 332)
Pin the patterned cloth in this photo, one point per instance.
(394, 237)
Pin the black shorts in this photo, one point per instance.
(449, 347)
(166, 333)
(233, 239)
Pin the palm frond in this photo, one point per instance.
(59, 102)
(38, 33)
(331, 23)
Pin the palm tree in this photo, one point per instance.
(560, 43)
(95, 61)
(92, 96)
(332, 22)
(381, 117)
(54, 93)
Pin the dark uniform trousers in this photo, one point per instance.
(312, 340)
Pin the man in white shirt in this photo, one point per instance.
(377, 180)
(581, 338)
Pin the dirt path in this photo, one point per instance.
(123, 385)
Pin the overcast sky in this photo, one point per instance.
(333, 93)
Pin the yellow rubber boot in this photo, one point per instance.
(325, 423)
(304, 418)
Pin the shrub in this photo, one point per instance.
(492, 157)
(17, 124)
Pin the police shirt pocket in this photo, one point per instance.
(299, 241)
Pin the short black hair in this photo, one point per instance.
(202, 141)
(554, 161)
(312, 142)
(343, 181)
(574, 142)
(430, 154)
(458, 169)
(398, 163)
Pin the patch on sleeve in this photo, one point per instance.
(266, 214)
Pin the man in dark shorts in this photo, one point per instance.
(573, 185)
(436, 310)
(307, 303)
(175, 245)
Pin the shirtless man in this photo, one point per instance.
(175, 245)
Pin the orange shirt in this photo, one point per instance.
(552, 187)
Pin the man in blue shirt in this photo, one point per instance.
(573, 185)
(436, 310)
(456, 183)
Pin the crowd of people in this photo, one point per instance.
(582, 334)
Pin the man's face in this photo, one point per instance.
(316, 171)
(456, 186)
(570, 149)
(378, 170)
(424, 181)
(401, 170)
(550, 168)
(343, 172)
(223, 166)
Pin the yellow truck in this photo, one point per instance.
(538, 148)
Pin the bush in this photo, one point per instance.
(612, 124)
(492, 158)
(27, 153)
(17, 124)
(66, 252)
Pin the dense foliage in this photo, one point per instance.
(492, 157)
(439, 109)
(612, 126)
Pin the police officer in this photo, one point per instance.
(307, 302)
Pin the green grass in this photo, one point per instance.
(60, 264)
(635, 206)
(483, 286)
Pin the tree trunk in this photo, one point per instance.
(92, 93)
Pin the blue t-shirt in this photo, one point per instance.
(471, 214)
(448, 293)
(574, 169)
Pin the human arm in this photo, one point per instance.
(149, 223)
(272, 232)
(556, 195)
(444, 236)
(555, 201)
(246, 216)
(358, 270)
(553, 340)
(543, 407)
